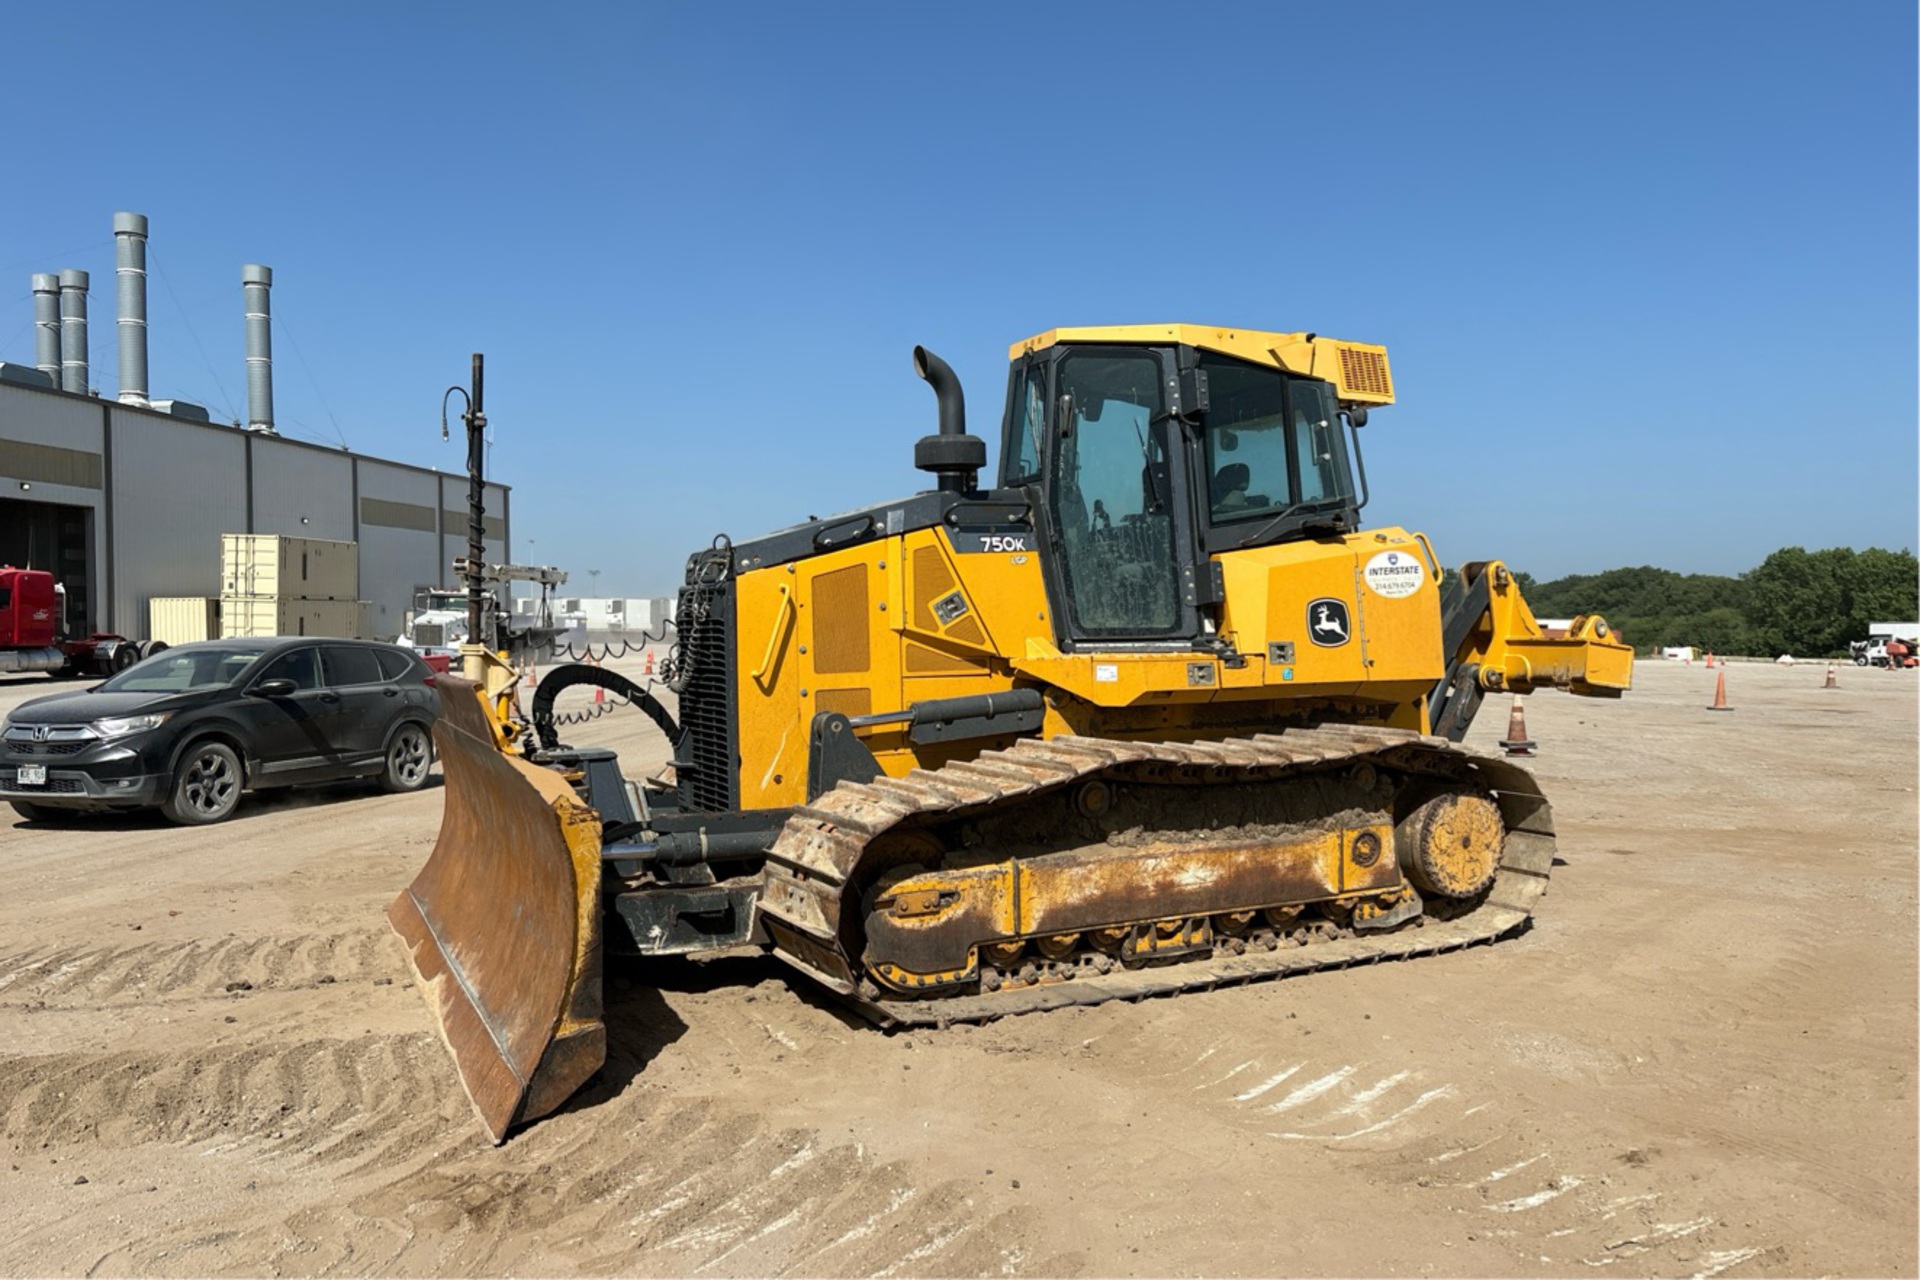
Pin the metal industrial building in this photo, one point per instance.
(125, 499)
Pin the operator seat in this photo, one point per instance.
(1229, 487)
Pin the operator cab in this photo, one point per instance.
(1149, 458)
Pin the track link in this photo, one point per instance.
(820, 851)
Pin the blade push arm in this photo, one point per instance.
(1494, 644)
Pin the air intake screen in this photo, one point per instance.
(931, 580)
(1365, 372)
(840, 623)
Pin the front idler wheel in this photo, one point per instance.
(1449, 845)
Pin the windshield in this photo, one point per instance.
(177, 670)
(1273, 443)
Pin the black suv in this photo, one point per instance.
(191, 727)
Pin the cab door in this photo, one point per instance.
(1117, 500)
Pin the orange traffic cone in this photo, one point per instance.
(1709, 660)
(1833, 681)
(1517, 743)
(532, 676)
(599, 694)
(649, 662)
(1720, 693)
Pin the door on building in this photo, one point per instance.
(58, 538)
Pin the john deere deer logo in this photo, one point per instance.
(1327, 622)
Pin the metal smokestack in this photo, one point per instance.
(46, 324)
(255, 282)
(130, 265)
(73, 330)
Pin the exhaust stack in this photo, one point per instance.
(953, 456)
(130, 266)
(73, 330)
(255, 282)
(46, 325)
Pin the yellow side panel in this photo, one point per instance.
(866, 631)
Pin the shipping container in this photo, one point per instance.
(273, 564)
(183, 619)
(280, 616)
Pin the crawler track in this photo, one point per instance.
(819, 855)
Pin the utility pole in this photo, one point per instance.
(475, 418)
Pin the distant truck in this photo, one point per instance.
(33, 632)
(1873, 651)
(436, 626)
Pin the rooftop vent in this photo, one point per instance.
(24, 376)
(184, 409)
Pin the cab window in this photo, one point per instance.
(1026, 423)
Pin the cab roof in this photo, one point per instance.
(1358, 370)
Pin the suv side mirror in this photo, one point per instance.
(272, 689)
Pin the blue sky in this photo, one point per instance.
(1647, 272)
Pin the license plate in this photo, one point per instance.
(32, 775)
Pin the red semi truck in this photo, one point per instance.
(33, 632)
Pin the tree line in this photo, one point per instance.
(1806, 603)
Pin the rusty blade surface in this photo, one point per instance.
(502, 924)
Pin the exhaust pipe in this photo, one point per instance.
(130, 266)
(46, 325)
(255, 282)
(73, 330)
(953, 456)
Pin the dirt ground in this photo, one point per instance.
(1700, 1060)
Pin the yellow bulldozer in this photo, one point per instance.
(1152, 713)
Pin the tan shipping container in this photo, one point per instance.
(274, 564)
(183, 619)
(279, 616)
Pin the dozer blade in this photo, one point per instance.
(503, 923)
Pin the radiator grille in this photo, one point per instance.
(18, 748)
(709, 780)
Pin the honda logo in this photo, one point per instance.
(40, 733)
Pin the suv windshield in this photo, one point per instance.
(1273, 443)
(176, 670)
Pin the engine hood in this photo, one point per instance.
(85, 705)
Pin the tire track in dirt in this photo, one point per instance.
(308, 1099)
(716, 1193)
(160, 973)
(626, 1179)
(1504, 1180)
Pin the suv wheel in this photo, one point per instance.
(409, 759)
(206, 785)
